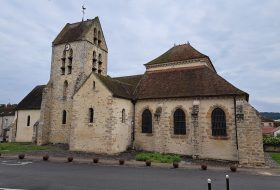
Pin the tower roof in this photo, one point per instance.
(178, 53)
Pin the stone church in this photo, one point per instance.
(179, 105)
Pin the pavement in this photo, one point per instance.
(35, 174)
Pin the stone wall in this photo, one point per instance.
(249, 135)
(106, 134)
(198, 140)
(51, 128)
(24, 133)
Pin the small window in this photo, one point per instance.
(146, 121)
(123, 116)
(69, 69)
(93, 85)
(179, 122)
(94, 61)
(64, 115)
(218, 122)
(28, 120)
(65, 88)
(91, 114)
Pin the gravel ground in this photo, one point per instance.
(269, 161)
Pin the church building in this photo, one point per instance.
(179, 105)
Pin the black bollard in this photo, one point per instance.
(209, 184)
(227, 181)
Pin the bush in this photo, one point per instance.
(275, 141)
(157, 157)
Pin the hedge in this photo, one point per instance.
(275, 141)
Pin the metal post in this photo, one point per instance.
(209, 184)
(227, 181)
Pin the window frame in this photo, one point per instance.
(147, 121)
(64, 117)
(218, 123)
(28, 121)
(91, 115)
(179, 122)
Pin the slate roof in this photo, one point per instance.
(32, 100)
(198, 81)
(178, 53)
(7, 111)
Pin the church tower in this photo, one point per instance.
(78, 50)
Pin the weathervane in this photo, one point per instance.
(83, 11)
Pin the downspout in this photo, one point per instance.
(16, 125)
(133, 124)
(236, 136)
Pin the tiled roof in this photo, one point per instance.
(32, 100)
(185, 82)
(122, 87)
(7, 111)
(178, 53)
(269, 130)
(73, 32)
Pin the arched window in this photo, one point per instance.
(91, 114)
(99, 64)
(179, 122)
(146, 121)
(100, 58)
(64, 117)
(218, 122)
(123, 115)
(65, 88)
(28, 121)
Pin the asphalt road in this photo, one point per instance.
(46, 175)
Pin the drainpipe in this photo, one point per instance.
(133, 124)
(16, 126)
(236, 136)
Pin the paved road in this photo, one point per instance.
(46, 175)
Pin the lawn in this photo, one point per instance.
(20, 147)
(157, 157)
(276, 156)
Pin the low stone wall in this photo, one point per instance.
(271, 148)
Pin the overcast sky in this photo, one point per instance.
(241, 37)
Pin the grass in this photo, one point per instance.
(276, 156)
(157, 157)
(20, 147)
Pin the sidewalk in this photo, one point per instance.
(133, 163)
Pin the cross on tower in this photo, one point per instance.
(83, 11)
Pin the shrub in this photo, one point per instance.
(157, 157)
(275, 141)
